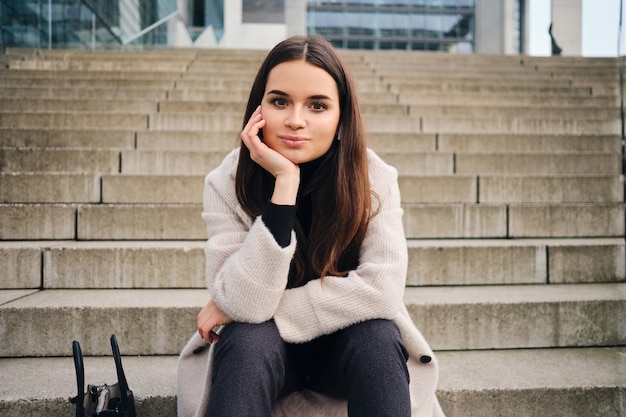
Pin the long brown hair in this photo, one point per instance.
(341, 197)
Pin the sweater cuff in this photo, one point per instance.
(279, 219)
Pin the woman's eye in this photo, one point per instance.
(318, 106)
(279, 102)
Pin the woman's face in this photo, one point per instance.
(301, 109)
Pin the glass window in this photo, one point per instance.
(266, 11)
(399, 24)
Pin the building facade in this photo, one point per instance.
(455, 26)
(419, 25)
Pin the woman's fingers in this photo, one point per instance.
(272, 161)
(250, 132)
(209, 318)
(214, 337)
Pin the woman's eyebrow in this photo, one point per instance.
(314, 97)
(320, 97)
(278, 93)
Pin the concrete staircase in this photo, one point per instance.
(511, 178)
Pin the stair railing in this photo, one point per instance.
(126, 39)
(154, 26)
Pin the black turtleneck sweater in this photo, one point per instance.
(281, 219)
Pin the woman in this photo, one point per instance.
(306, 261)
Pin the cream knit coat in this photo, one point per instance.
(247, 274)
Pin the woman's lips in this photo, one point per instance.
(293, 140)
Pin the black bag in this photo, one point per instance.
(102, 400)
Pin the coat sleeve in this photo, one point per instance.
(246, 270)
(373, 290)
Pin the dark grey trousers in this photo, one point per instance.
(364, 363)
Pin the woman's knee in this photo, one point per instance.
(371, 335)
(248, 370)
(249, 336)
(253, 346)
(374, 345)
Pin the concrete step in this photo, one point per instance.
(73, 121)
(187, 94)
(483, 61)
(528, 143)
(397, 142)
(37, 222)
(504, 100)
(180, 106)
(177, 221)
(511, 189)
(606, 74)
(460, 318)
(208, 72)
(556, 78)
(451, 318)
(504, 163)
(558, 382)
(87, 83)
(7, 58)
(500, 221)
(140, 55)
(217, 84)
(67, 138)
(85, 92)
(100, 65)
(59, 159)
(140, 222)
(566, 220)
(553, 382)
(485, 88)
(180, 264)
(486, 61)
(90, 75)
(402, 76)
(152, 188)
(537, 163)
(106, 264)
(50, 187)
(516, 261)
(198, 122)
(515, 125)
(167, 162)
(22, 105)
(184, 183)
(536, 112)
(187, 141)
(551, 189)
(44, 385)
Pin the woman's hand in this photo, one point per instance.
(209, 318)
(286, 173)
(272, 161)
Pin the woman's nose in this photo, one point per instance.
(295, 119)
